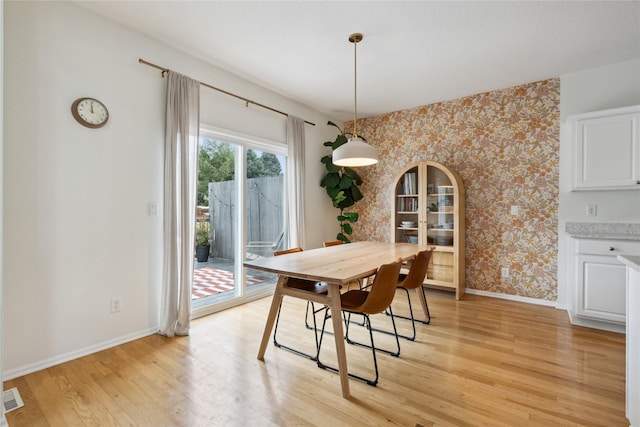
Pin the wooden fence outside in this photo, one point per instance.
(264, 207)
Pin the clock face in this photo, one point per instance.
(90, 112)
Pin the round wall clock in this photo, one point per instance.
(90, 112)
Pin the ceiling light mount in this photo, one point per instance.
(355, 38)
(355, 152)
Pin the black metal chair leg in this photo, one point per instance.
(413, 324)
(424, 297)
(412, 317)
(291, 349)
(368, 325)
(424, 322)
(371, 382)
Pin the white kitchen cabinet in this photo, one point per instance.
(600, 281)
(606, 149)
(601, 288)
(633, 350)
(633, 338)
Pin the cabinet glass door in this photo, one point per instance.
(440, 212)
(407, 209)
(440, 225)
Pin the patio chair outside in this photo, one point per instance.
(263, 248)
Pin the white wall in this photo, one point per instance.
(75, 199)
(3, 420)
(612, 86)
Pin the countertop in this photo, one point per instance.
(604, 230)
(631, 261)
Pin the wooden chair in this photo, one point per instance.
(305, 285)
(333, 243)
(376, 300)
(413, 280)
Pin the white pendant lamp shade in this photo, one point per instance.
(355, 153)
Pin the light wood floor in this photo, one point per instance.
(482, 361)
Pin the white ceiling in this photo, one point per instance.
(413, 53)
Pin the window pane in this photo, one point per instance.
(214, 271)
(266, 228)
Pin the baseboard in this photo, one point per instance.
(511, 297)
(47, 363)
(597, 324)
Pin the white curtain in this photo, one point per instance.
(295, 180)
(180, 153)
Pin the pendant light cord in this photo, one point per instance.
(355, 87)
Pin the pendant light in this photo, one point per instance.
(355, 152)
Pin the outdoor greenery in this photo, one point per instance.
(203, 233)
(216, 164)
(341, 184)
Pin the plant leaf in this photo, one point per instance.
(331, 180)
(345, 182)
(348, 202)
(340, 140)
(330, 123)
(347, 228)
(338, 198)
(353, 175)
(332, 192)
(352, 217)
(356, 194)
(331, 168)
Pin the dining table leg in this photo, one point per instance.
(422, 298)
(273, 314)
(338, 334)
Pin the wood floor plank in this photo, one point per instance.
(481, 362)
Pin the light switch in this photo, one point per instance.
(515, 210)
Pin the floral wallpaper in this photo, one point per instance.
(505, 146)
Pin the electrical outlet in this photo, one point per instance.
(505, 272)
(116, 304)
(592, 209)
(515, 210)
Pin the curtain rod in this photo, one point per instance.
(248, 101)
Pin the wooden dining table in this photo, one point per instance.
(335, 265)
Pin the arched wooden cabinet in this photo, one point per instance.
(428, 210)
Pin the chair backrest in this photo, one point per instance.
(383, 288)
(332, 243)
(287, 251)
(418, 270)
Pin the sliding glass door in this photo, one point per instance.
(241, 214)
